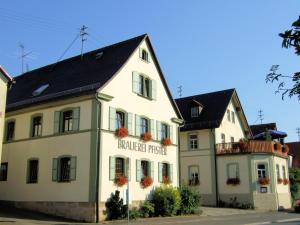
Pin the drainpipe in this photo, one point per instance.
(216, 167)
(98, 147)
(179, 149)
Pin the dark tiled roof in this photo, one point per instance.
(294, 148)
(214, 107)
(259, 128)
(71, 76)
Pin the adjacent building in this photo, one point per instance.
(79, 129)
(219, 158)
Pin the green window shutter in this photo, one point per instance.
(129, 123)
(153, 90)
(56, 122)
(171, 172)
(127, 168)
(54, 169)
(152, 129)
(137, 125)
(112, 168)
(76, 118)
(73, 168)
(160, 177)
(152, 169)
(237, 171)
(171, 133)
(138, 171)
(135, 82)
(112, 119)
(141, 53)
(158, 130)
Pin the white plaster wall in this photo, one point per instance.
(3, 91)
(281, 188)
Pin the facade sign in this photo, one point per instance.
(142, 147)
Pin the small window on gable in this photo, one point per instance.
(194, 112)
(228, 115)
(144, 86)
(233, 117)
(223, 138)
(40, 90)
(144, 55)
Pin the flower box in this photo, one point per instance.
(166, 141)
(264, 181)
(285, 149)
(279, 181)
(121, 180)
(286, 181)
(147, 136)
(233, 181)
(122, 132)
(166, 180)
(146, 181)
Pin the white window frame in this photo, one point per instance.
(194, 112)
(191, 142)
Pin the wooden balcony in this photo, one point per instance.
(252, 146)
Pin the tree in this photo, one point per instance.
(291, 39)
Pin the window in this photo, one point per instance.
(3, 171)
(67, 121)
(165, 172)
(193, 141)
(120, 169)
(119, 166)
(144, 55)
(232, 139)
(194, 175)
(40, 90)
(261, 171)
(194, 112)
(228, 115)
(32, 173)
(36, 126)
(223, 138)
(120, 119)
(145, 168)
(232, 171)
(164, 131)
(10, 131)
(233, 117)
(144, 86)
(283, 172)
(64, 169)
(277, 171)
(144, 125)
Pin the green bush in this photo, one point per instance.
(190, 200)
(166, 200)
(115, 207)
(294, 175)
(134, 213)
(147, 209)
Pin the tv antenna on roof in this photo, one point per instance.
(23, 55)
(179, 90)
(260, 116)
(83, 34)
(298, 132)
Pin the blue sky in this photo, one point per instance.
(202, 45)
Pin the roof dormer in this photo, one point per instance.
(196, 108)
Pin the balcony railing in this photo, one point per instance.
(252, 146)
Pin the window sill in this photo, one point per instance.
(143, 96)
(145, 61)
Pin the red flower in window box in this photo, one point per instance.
(264, 181)
(233, 181)
(121, 180)
(146, 181)
(286, 181)
(122, 132)
(147, 136)
(166, 141)
(279, 181)
(166, 180)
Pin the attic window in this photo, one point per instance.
(144, 55)
(99, 55)
(195, 111)
(39, 90)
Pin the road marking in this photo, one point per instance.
(259, 223)
(288, 220)
(276, 221)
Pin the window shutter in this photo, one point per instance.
(158, 130)
(112, 168)
(73, 168)
(112, 119)
(138, 170)
(152, 169)
(171, 133)
(56, 122)
(153, 90)
(141, 52)
(76, 118)
(152, 129)
(127, 168)
(135, 82)
(171, 172)
(160, 178)
(54, 169)
(137, 125)
(129, 123)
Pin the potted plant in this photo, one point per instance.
(147, 136)
(166, 141)
(279, 180)
(121, 180)
(285, 149)
(286, 181)
(233, 181)
(243, 144)
(166, 180)
(264, 181)
(122, 132)
(146, 181)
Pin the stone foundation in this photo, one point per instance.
(265, 201)
(208, 199)
(240, 198)
(284, 201)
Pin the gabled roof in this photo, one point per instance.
(214, 108)
(5, 74)
(77, 75)
(259, 128)
(294, 150)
